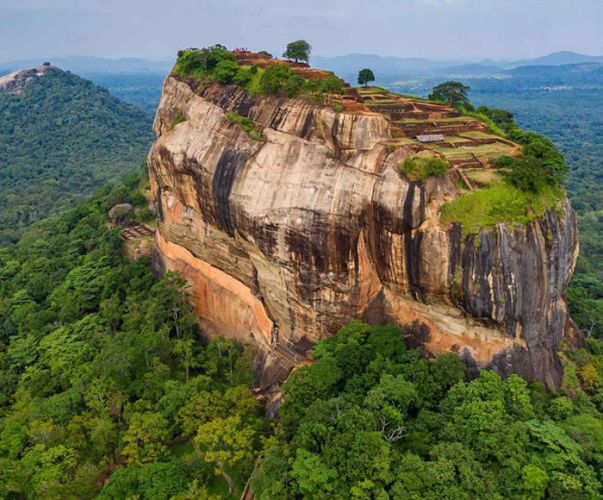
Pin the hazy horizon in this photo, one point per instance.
(463, 30)
(171, 59)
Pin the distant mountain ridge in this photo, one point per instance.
(61, 138)
(381, 64)
(560, 58)
(580, 71)
(340, 64)
(86, 65)
(348, 64)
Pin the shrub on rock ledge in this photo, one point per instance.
(419, 169)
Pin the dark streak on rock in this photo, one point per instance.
(412, 245)
(230, 163)
(416, 334)
(375, 312)
(309, 260)
(455, 269)
(308, 127)
(159, 205)
(245, 106)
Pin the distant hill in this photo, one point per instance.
(582, 72)
(560, 58)
(143, 89)
(352, 63)
(475, 69)
(61, 138)
(348, 65)
(589, 72)
(83, 65)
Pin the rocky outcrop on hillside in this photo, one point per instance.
(14, 82)
(314, 225)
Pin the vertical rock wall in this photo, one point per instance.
(313, 226)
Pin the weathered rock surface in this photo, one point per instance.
(315, 226)
(120, 210)
(15, 81)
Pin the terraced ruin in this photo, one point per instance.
(427, 128)
(467, 143)
(439, 130)
(464, 141)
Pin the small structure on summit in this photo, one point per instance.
(430, 138)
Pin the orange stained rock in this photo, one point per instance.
(447, 333)
(226, 303)
(369, 281)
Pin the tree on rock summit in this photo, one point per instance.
(453, 93)
(298, 51)
(365, 76)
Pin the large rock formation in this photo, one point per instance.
(314, 226)
(16, 81)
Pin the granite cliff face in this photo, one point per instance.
(314, 226)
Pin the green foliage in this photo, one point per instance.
(531, 185)
(193, 63)
(227, 442)
(103, 370)
(226, 71)
(484, 118)
(372, 419)
(526, 174)
(570, 118)
(253, 86)
(365, 76)
(337, 107)
(143, 441)
(61, 138)
(311, 474)
(214, 63)
(298, 50)
(281, 79)
(544, 151)
(419, 169)
(246, 123)
(332, 85)
(244, 76)
(157, 481)
(178, 119)
(453, 93)
(502, 118)
(540, 164)
(217, 64)
(586, 292)
(502, 202)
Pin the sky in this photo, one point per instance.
(435, 29)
